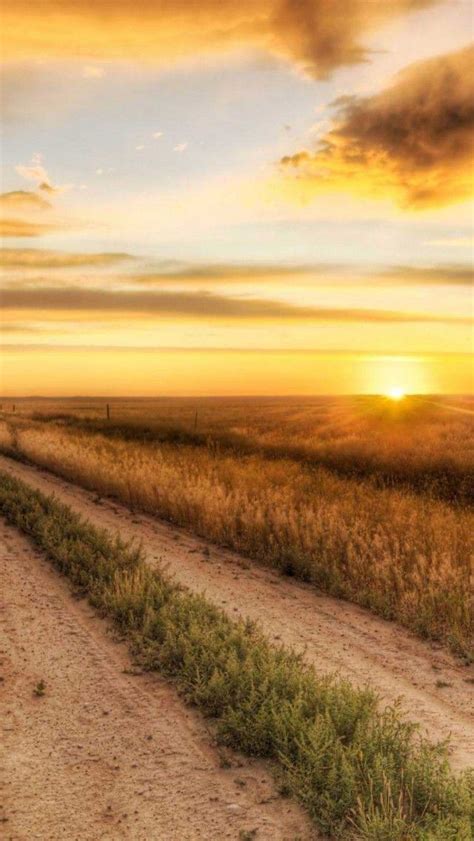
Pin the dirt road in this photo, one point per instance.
(103, 754)
(435, 688)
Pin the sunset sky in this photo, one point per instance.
(262, 197)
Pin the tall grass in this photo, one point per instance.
(417, 443)
(404, 556)
(360, 772)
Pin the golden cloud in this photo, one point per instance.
(317, 35)
(21, 214)
(36, 258)
(197, 305)
(27, 214)
(161, 273)
(221, 273)
(413, 142)
(22, 200)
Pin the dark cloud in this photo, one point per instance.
(195, 305)
(317, 35)
(412, 142)
(324, 34)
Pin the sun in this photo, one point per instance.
(395, 393)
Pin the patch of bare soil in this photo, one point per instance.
(436, 689)
(90, 751)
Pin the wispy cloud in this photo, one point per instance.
(30, 329)
(23, 200)
(142, 272)
(200, 305)
(452, 242)
(220, 273)
(171, 271)
(333, 353)
(35, 171)
(37, 258)
(24, 213)
(458, 275)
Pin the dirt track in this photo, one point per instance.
(104, 754)
(335, 635)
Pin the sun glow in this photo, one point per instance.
(395, 393)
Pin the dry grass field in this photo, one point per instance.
(426, 443)
(367, 498)
(358, 719)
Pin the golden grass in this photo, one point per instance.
(420, 442)
(404, 556)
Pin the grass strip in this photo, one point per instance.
(361, 772)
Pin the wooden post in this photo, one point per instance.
(13, 408)
(195, 421)
(108, 411)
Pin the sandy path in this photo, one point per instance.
(105, 754)
(335, 635)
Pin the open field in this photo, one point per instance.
(279, 545)
(392, 546)
(359, 771)
(425, 443)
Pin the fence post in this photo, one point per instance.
(195, 421)
(13, 408)
(108, 411)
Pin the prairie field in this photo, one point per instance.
(250, 554)
(367, 499)
(426, 443)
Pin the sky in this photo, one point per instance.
(269, 197)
